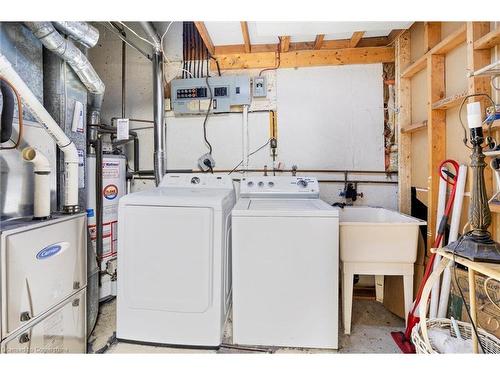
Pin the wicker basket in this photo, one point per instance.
(490, 343)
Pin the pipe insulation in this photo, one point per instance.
(41, 169)
(67, 51)
(45, 119)
(8, 106)
(81, 32)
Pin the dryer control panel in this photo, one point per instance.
(279, 186)
(196, 180)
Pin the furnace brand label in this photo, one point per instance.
(51, 250)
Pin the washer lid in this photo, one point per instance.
(284, 207)
(180, 197)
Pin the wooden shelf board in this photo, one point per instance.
(489, 40)
(414, 127)
(449, 102)
(495, 207)
(443, 47)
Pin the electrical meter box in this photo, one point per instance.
(192, 95)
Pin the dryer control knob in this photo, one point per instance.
(195, 180)
(250, 183)
(261, 184)
(302, 183)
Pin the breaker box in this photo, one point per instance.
(192, 96)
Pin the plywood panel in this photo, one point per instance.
(417, 41)
(419, 97)
(456, 70)
(419, 161)
(448, 28)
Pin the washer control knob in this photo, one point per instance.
(250, 183)
(302, 183)
(270, 184)
(261, 184)
(195, 180)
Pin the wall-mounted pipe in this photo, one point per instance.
(159, 117)
(41, 169)
(66, 50)
(152, 34)
(43, 117)
(81, 32)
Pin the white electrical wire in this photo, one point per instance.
(166, 61)
(137, 35)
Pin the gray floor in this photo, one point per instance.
(371, 327)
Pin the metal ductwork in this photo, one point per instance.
(66, 50)
(81, 32)
(158, 104)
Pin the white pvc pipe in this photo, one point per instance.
(440, 212)
(245, 141)
(454, 227)
(41, 168)
(43, 117)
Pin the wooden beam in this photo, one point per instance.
(436, 137)
(355, 38)
(414, 127)
(442, 48)
(488, 40)
(378, 41)
(393, 35)
(205, 36)
(403, 118)
(285, 43)
(246, 36)
(432, 34)
(368, 55)
(319, 41)
(449, 102)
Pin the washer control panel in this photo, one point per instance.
(196, 180)
(279, 186)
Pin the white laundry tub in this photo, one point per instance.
(372, 234)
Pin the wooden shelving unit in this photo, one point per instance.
(449, 102)
(414, 127)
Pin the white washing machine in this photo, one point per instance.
(285, 264)
(174, 280)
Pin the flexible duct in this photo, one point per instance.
(81, 32)
(41, 168)
(43, 117)
(66, 50)
(7, 112)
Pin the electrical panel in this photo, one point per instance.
(259, 87)
(192, 95)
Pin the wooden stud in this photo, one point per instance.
(432, 34)
(205, 36)
(488, 40)
(393, 35)
(442, 48)
(355, 38)
(368, 55)
(436, 137)
(476, 59)
(285, 43)
(246, 36)
(403, 118)
(318, 41)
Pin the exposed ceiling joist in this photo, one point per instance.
(319, 41)
(307, 58)
(205, 36)
(355, 38)
(285, 43)
(246, 37)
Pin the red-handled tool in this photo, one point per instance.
(403, 339)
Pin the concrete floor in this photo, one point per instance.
(371, 327)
